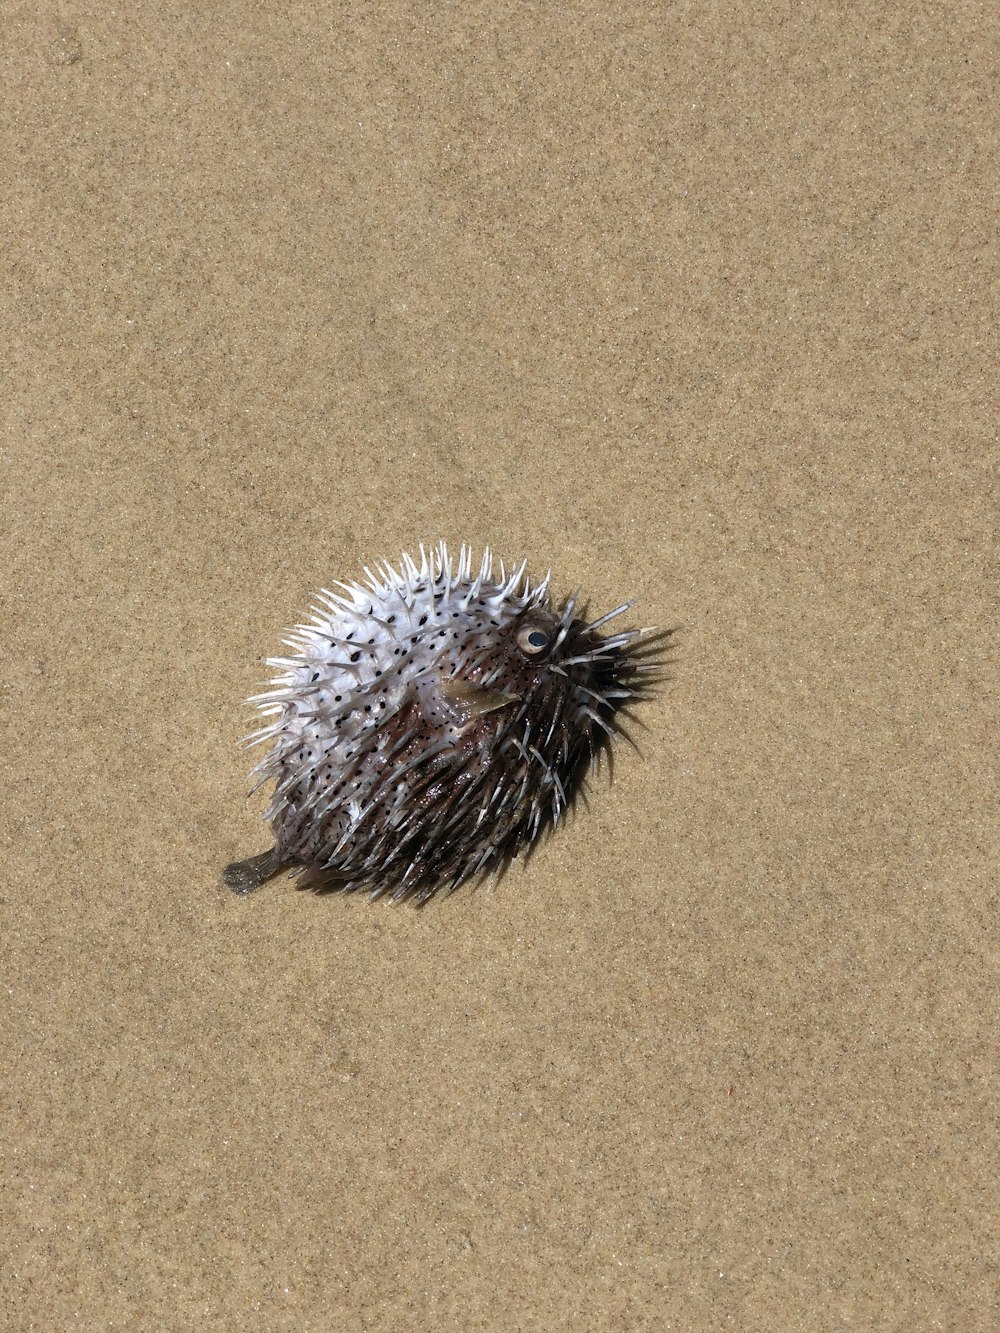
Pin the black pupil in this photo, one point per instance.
(538, 638)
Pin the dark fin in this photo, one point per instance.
(318, 880)
(245, 876)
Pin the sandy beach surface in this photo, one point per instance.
(695, 305)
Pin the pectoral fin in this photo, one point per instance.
(472, 701)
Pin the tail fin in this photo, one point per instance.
(245, 876)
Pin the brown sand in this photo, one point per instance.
(696, 308)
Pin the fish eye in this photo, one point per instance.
(532, 639)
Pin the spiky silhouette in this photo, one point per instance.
(432, 723)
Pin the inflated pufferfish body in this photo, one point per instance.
(431, 725)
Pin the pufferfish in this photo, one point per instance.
(432, 723)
